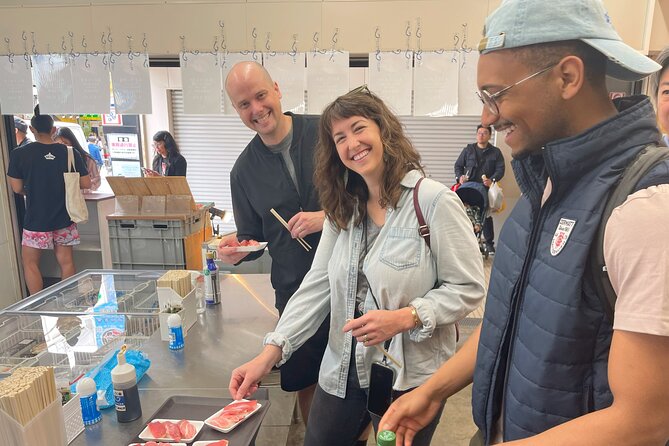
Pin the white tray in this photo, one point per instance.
(171, 444)
(259, 247)
(225, 431)
(207, 442)
(146, 433)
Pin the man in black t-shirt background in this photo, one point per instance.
(36, 171)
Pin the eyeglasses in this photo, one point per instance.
(490, 99)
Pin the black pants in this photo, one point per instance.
(335, 421)
(489, 231)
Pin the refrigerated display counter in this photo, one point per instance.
(92, 313)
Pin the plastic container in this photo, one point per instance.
(88, 399)
(148, 243)
(126, 395)
(386, 438)
(198, 285)
(48, 427)
(176, 332)
(212, 293)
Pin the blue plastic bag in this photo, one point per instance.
(102, 378)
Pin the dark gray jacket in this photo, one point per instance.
(475, 162)
(260, 181)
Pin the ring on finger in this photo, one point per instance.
(364, 339)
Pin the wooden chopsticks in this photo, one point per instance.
(307, 247)
(27, 392)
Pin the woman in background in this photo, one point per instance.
(168, 161)
(66, 136)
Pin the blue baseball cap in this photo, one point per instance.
(518, 23)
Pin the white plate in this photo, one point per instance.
(170, 444)
(146, 433)
(252, 248)
(225, 431)
(205, 443)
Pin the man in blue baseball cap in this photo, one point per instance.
(552, 363)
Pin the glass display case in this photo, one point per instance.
(73, 344)
(78, 323)
(97, 291)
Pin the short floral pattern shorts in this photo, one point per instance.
(45, 240)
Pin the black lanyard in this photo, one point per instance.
(386, 344)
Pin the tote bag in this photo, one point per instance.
(74, 198)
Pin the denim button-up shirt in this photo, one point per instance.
(443, 283)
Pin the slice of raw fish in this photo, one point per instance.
(187, 429)
(157, 429)
(173, 430)
(223, 422)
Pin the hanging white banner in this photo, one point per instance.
(288, 71)
(53, 78)
(327, 78)
(228, 60)
(16, 88)
(390, 75)
(435, 84)
(468, 102)
(201, 81)
(132, 86)
(91, 84)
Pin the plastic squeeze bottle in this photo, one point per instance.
(386, 438)
(88, 400)
(126, 395)
(176, 332)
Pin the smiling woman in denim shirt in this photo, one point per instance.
(382, 284)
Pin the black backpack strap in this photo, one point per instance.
(648, 158)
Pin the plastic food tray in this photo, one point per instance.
(228, 429)
(201, 408)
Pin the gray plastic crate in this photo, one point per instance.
(151, 244)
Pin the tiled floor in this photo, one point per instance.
(455, 427)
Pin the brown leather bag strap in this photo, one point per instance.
(424, 232)
(423, 228)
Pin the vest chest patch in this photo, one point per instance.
(562, 233)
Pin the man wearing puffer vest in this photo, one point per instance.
(549, 366)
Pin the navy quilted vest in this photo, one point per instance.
(545, 339)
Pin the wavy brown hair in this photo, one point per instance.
(342, 192)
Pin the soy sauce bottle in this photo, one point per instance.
(126, 395)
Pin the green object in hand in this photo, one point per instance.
(386, 438)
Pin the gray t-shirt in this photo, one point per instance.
(284, 149)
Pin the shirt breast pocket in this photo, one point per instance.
(401, 248)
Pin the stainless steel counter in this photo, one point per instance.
(224, 337)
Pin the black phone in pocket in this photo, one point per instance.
(380, 393)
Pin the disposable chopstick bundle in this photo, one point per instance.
(178, 280)
(27, 392)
